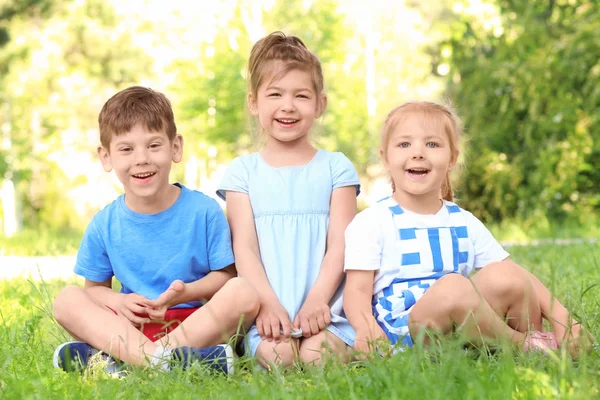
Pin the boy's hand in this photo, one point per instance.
(367, 338)
(273, 322)
(157, 309)
(132, 304)
(313, 317)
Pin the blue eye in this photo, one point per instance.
(432, 145)
(404, 145)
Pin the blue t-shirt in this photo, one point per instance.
(147, 252)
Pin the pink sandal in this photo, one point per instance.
(540, 341)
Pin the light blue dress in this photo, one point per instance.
(291, 214)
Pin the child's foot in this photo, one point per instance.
(218, 358)
(540, 341)
(77, 356)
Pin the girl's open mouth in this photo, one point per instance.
(417, 172)
(286, 121)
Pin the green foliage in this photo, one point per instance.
(41, 242)
(28, 336)
(56, 77)
(530, 100)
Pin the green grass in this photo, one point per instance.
(40, 242)
(28, 336)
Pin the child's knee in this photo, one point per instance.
(246, 297)
(309, 355)
(508, 281)
(458, 295)
(269, 353)
(65, 301)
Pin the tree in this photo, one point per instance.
(528, 92)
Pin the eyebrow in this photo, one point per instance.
(428, 137)
(281, 89)
(152, 137)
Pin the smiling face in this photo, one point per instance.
(418, 157)
(287, 105)
(142, 162)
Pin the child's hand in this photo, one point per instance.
(157, 309)
(576, 339)
(130, 305)
(313, 317)
(367, 338)
(273, 322)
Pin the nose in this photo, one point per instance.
(141, 156)
(287, 104)
(417, 151)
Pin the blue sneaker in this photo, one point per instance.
(76, 356)
(218, 358)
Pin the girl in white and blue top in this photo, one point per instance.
(288, 207)
(409, 259)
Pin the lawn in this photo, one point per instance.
(447, 371)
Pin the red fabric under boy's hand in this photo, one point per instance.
(273, 322)
(313, 317)
(157, 309)
(130, 305)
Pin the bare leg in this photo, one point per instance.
(79, 314)
(453, 301)
(219, 319)
(313, 348)
(506, 287)
(269, 354)
(213, 323)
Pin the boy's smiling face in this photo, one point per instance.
(142, 162)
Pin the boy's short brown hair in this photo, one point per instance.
(136, 105)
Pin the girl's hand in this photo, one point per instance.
(313, 317)
(367, 338)
(273, 322)
(157, 309)
(576, 339)
(131, 307)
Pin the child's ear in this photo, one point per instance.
(453, 161)
(104, 156)
(321, 105)
(384, 159)
(177, 147)
(252, 106)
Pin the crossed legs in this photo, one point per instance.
(213, 323)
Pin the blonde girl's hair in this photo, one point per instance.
(294, 55)
(435, 117)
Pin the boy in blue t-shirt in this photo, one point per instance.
(169, 247)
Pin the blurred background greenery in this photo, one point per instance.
(524, 75)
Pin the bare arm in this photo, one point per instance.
(103, 294)
(179, 292)
(245, 244)
(126, 305)
(272, 320)
(357, 306)
(204, 289)
(343, 209)
(314, 315)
